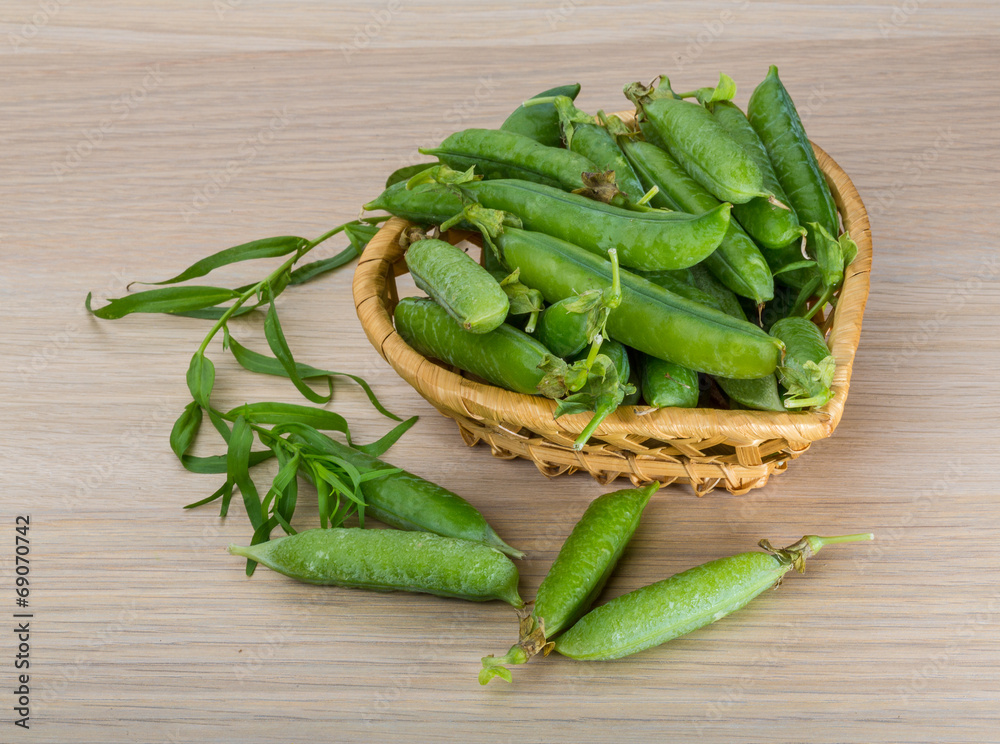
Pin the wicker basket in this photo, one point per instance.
(703, 447)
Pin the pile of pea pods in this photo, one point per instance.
(674, 261)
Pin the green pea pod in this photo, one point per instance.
(649, 318)
(644, 240)
(541, 122)
(584, 136)
(427, 204)
(523, 299)
(737, 261)
(808, 367)
(686, 601)
(760, 394)
(391, 560)
(773, 116)
(772, 223)
(701, 144)
(577, 576)
(461, 286)
(678, 283)
(401, 175)
(506, 356)
(566, 326)
(407, 501)
(496, 153)
(668, 385)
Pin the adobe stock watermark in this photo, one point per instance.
(710, 32)
(96, 137)
(901, 14)
(364, 35)
(246, 153)
(222, 7)
(455, 115)
(40, 19)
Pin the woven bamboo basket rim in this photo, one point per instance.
(375, 298)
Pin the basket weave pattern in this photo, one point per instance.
(703, 447)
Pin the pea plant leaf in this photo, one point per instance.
(359, 235)
(264, 248)
(276, 340)
(238, 469)
(166, 300)
(185, 429)
(286, 413)
(201, 379)
(263, 364)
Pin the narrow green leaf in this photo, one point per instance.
(168, 300)
(285, 413)
(263, 364)
(794, 266)
(285, 525)
(238, 469)
(217, 463)
(308, 272)
(265, 248)
(285, 475)
(185, 429)
(215, 313)
(227, 486)
(201, 379)
(276, 340)
(377, 448)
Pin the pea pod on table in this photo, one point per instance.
(406, 501)
(541, 122)
(686, 601)
(577, 576)
(391, 560)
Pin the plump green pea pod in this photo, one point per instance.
(644, 240)
(408, 502)
(427, 204)
(505, 357)
(566, 326)
(584, 136)
(773, 224)
(579, 573)
(404, 174)
(679, 283)
(760, 394)
(649, 318)
(541, 122)
(773, 116)
(668, 385)
(737, 261)
(700, 143)
(685, 602)
(496, 153)
(389, 561)
(807, 368)
(455, 281)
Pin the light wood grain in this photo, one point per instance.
(146, 630)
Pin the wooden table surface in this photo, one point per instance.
(138, 137)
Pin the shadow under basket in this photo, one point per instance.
(705, 447)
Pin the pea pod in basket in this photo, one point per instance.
(808, 367)
(649, 318)
(461, 286)
(541, 122)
